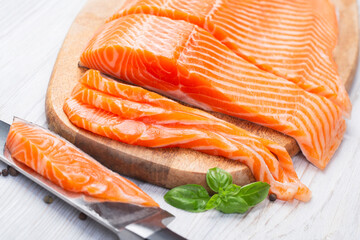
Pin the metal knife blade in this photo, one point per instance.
(127, 221)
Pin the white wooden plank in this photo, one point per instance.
(30, 37)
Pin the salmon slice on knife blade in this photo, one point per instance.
(68, 167)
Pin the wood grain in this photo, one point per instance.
(165, 167)
(32, 34)
(347, 50)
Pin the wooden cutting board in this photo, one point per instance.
(166, 167)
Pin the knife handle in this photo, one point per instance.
(165, 234)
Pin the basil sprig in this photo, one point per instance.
(229, 197)
(217, 178)
(190, 197)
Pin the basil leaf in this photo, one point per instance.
(191, 197)
(217, 178)
(232, 189)
(254, 193)
(213, 202)
(232, 204)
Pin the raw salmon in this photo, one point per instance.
(183, 61)
(135, 103)
(292, 39)
(145, 118)
(65, 165)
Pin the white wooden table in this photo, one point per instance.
(31, 33)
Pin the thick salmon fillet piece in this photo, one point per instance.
(136, 116)
(183, 61)
(65, 165)
(292, 39)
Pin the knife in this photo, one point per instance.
(127, 221)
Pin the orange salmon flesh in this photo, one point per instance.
(62, 163)
(291, 39)
(133, 115)
(183, 61)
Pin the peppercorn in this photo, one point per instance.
(5, 172)
(48, 199)
(272, 197)
(82, 216)
(12, 171)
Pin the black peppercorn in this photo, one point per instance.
(82, 216)
(12, 171)
(5, 172)
(272, 197)
(48, 199)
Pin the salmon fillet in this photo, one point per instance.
(66, 166)
(185, 62)
(136, 116)
(292, 39)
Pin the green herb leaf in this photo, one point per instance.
(191, 197)
(213, 202)
(254, 193)
(232, 189)
(231, 198)
(232, 204)
(217, 178)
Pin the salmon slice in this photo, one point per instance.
(124, 120)
(291, 39)
(183, 61)
(135, 103)
(62, 163)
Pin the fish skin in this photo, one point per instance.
(291, 39)
(62, 163)
(142, 109)
(185, 62)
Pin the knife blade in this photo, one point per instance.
(127, 221)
